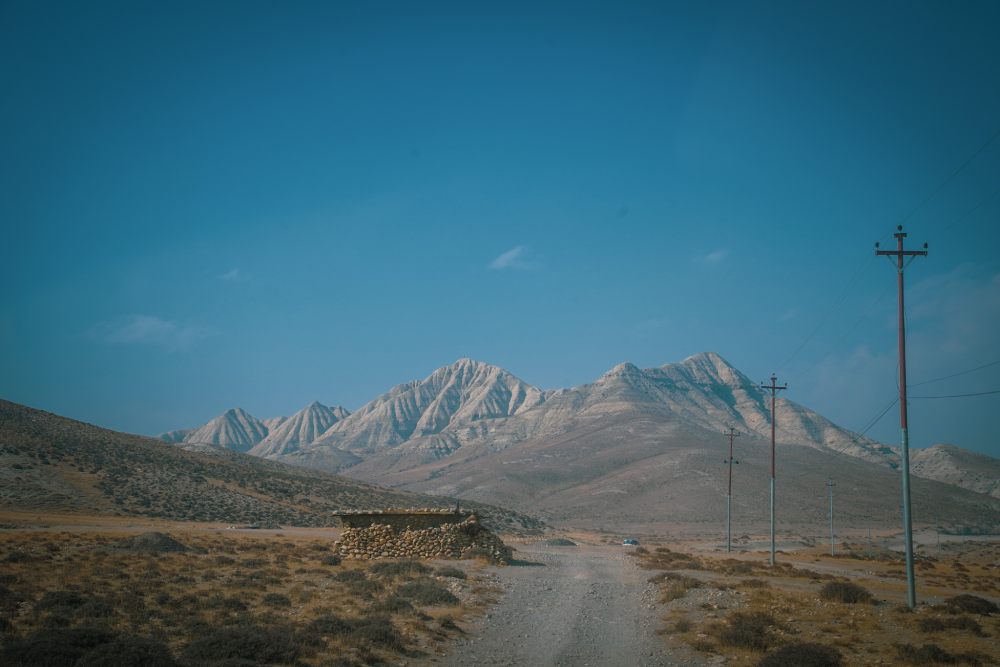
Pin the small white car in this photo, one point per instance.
(630, 543)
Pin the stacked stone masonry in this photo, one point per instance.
(451, 540)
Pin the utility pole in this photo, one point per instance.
(733, 433)
(774, 390)
(831, 484)
(900, 254)
(984, 530)
(868, 516)
(938, 533)
(963, 534)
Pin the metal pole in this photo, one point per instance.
(831, 484)
(729, 492)
(774, 389)
(984, 530)
(938, 533)
(899, 254)
(868, 516)
(963, 534)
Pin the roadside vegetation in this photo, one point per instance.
(753, 614)
(96, 599)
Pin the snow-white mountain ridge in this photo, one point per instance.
(472, 406)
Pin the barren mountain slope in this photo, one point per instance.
(657, 472)
(703, 390)
(954, 465)
(302, 428)
(465, 392)
(54, 464)
(236, 429)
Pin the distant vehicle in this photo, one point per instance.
(630, 543)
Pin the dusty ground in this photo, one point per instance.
(592, 605)
(569, 606)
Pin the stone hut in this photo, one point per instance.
(423, 533)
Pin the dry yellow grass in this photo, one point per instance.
(752, 616)
(282, 585)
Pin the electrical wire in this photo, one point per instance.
(848, 333)
(851, 283)
(995, 192)
(981, 393)
(954, 375)
(948, 180)
(868, 426)
(840, 299)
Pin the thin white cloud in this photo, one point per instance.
(146, 329)
(716, 256)
(512, 259)
(789, 315)
(234, 276)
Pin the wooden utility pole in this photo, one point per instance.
(868, 516)
(900, 255)
(831, 484)
(774, 390)
(733, 433)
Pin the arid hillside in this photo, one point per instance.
(53, 464)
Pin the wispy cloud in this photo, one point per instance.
(235, 276)
(146, 329)
(716, 256)
(789, 315)
(512, 259)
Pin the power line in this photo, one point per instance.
(971, 211)
(955, 375)
(840, 299)
(848, 333)
(851, 283)
(948, 180)
(982, 393)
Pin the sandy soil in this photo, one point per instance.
(568, 606)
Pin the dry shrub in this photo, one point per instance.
(245, 645)
(936, 624)
(129, 651)
(392, 604)
(972, 604)
(681, 626)
(446, 622)
(746, 630)
(702, 645)
(679, 579)
(369, 631)
(5, 625)
(365, 587)
(401, 568)
(428, 592)
(754, 583)
(330, 560)
(845, 591)
(276, 600)
(805, 654)
(53, 648)
(673, 592)
(349, 576)
(932, 654)
(450, 571)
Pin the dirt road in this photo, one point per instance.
(575, 606)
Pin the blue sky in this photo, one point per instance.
(264, 204)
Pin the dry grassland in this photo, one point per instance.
(98, 598)
(744, 612)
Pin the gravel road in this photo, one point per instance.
(572, 607)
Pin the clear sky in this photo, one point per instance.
(262, 204)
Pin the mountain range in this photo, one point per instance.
(475, 431)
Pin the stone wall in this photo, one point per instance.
(450, 540)
(402, 520)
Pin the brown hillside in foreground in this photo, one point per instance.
(53, 464)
